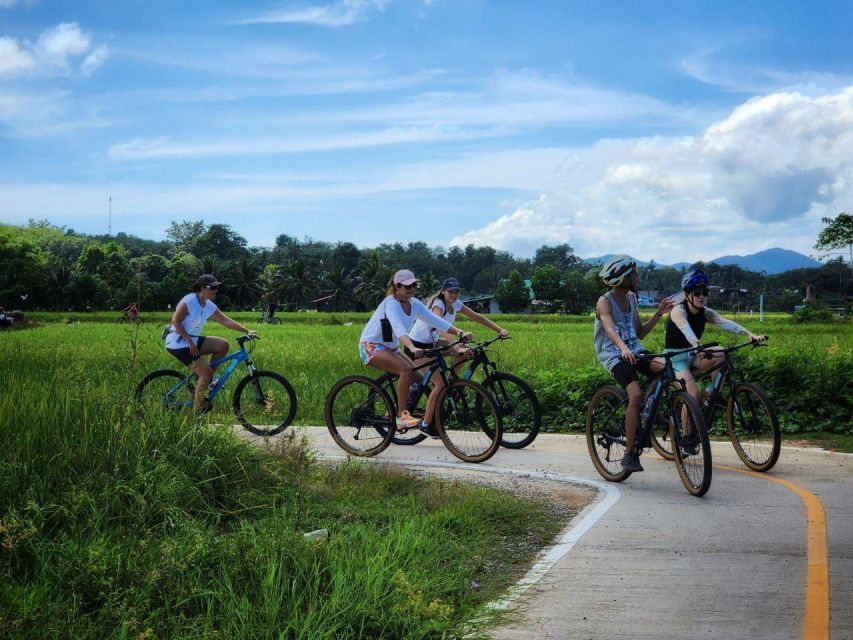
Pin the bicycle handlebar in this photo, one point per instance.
(486, 343)
(247, 338)
(668, 355)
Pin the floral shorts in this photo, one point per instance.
(368, 350)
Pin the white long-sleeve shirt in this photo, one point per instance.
(401, 323)
(678, 315)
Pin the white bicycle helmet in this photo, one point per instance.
(615, 270)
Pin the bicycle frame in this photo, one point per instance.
(723, 376)
(235, 358)
(662, 390)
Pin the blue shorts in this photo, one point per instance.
(683, 361)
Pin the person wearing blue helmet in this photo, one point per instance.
(686, 325)
(618, 331)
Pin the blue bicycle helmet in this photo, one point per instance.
(694, 278)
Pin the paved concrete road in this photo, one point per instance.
(661, 563)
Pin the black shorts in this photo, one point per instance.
(184, 354)
(625, 373)
(419, 345)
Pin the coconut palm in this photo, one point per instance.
(298, 282)
(429, 284)
(337, 285)
(243, 284)
(371, 276)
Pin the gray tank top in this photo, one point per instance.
(626, 326)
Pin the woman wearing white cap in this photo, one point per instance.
(183, 340)
(391, 322)
(445, 304)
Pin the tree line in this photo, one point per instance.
(43, 266)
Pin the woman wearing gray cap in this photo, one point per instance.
(391, 322)
(184, 340)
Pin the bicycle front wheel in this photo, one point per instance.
(690, 443)
(469, 421)
(265, 403)
(519, 406)
(164, 390)
(754, 427)
(605, 432)
(360, 416)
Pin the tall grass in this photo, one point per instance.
(114, 526)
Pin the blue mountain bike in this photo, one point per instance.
(264, 402)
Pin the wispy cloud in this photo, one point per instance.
(163, 148)
(339, 14)
(55, 52)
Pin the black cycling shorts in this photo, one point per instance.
(625, 373)
(184, 354)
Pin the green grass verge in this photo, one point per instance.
(116, 527)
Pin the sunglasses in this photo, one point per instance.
(700, 291)
(212, 287)
(408, 287)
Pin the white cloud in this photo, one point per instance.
(55, 52)
(14, 59)
(340, 14)
(6, 4)
(761, 177)
(147, 149)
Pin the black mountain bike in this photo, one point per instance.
(751, 420)
(520, 412)
(361, 413)
(605, 428)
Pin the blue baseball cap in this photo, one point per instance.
(450, 284)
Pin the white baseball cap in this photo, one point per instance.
(404, 276)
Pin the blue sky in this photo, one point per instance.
(674, 131)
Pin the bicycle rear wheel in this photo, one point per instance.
(605, 432)
(265, 403)
(360, 416)
(519, 406)
(469, 421)
(165, 390)
(754, 427)
(661, 440)
(690, 443)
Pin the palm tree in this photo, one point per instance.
(298, 282)
(372, 276)
(337, 284)
(243, 283)
(429, 284)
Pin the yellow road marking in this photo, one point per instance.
(816, 616)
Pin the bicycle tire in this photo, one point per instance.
(357, 404)
(468, 421)
(521, 415)
(275, 321)
(693, 455)
(121, 320)
(152, 393)
(271, 397)
(759, 455)
(660, 436)
(605, 432)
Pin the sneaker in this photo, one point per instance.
(631, 462)
(690, 445)
(427, 430)
(407, 421)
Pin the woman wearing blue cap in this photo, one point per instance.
(446, 304)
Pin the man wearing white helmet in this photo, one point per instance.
(618, 331)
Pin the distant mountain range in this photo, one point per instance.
(774, 260)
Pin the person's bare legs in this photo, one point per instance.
(216, 348)
(398, 364)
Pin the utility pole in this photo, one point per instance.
(110, 224)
